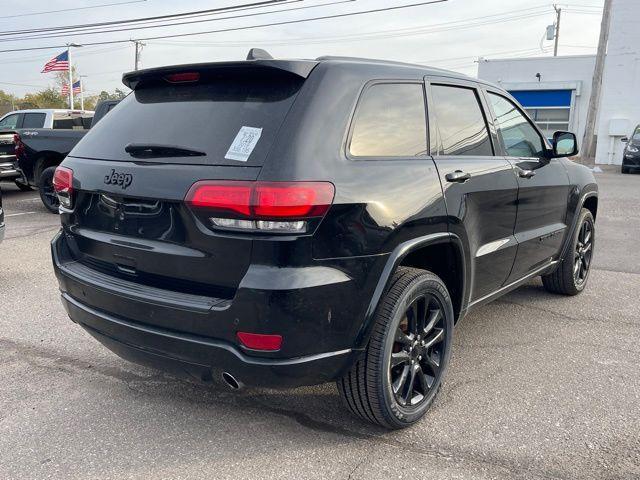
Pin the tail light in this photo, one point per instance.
(18, 145)
(285, 207)
(182, 77)
(259, 341)
(63, 186)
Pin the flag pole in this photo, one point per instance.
(81, 92)
(70, 77)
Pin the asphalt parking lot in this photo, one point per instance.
(540, 387)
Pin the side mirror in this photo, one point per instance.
(565, 144)
(624, 140)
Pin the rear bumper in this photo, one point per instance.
(200, 358)
(195, 336)
(9, 169)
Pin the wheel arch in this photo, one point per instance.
(45, 160)
(588, 200)
(442, 254)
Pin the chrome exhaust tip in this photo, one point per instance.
(231, 381)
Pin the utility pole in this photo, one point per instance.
(557, 36)
(596, 85)
(139, 46)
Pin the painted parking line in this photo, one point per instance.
(21, 213)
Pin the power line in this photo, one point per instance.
(435, 28)
(165, 25)
(145, 19)
(234, 29)
(71, 9)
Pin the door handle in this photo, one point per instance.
(458, 176)
(526, 173)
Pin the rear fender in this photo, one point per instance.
(395, 259)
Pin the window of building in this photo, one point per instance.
(390, 122)
(550, 120)
(519, 137)
(549, 109)
(460, 122)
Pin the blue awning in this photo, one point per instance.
(543, 98)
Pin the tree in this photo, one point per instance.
(7, 102)
(47, 98)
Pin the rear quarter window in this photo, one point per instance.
(206, 116)
(390, 121)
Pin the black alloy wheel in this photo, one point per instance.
(47, 193)
(583, 252)
(396, 379)
(570, 276)
(418, 349)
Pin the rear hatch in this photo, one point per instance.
(131, 173)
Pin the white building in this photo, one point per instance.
(555, 90)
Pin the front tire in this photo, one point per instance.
(397, 378)
(624, 169)
(570, 277)
(47, 193)
(24, 187)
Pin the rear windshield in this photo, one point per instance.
(230, 120)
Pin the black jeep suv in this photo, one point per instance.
(631, 154)
(284, 223)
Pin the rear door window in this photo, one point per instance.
(33, 120)
(390, 121)
(207, 116)
(460, 122)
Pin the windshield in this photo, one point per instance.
(229, 119)
(636, 136)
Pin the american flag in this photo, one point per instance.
(57, 64)
(76, 88)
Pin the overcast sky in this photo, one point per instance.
(452, 34)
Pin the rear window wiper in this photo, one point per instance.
(145, 150)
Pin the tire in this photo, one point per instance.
(24, 187)
(45, 188)
(564, 279)
(369, 388)
(624, 169)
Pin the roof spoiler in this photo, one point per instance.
(257, 60)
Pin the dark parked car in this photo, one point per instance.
(296, 222)
(631, 155)
(1, 218)
(38, 151)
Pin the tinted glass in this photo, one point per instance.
(519, 137)
(460, 122)
(9, 122)
(636, 135)
(205, 116)
(390, 122)
(33, 120)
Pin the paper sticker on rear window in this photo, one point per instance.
(243, 144)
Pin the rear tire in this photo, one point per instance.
(397, 378)
(45, 188)
(570, 277)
